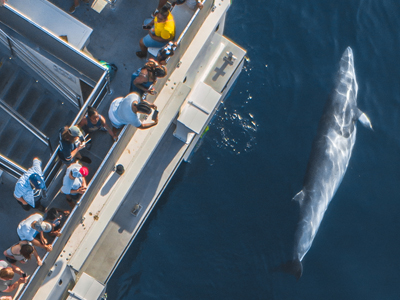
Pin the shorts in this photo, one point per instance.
(150, 43)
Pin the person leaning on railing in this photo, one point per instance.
(145, 77)
(32, 228)
(71, 142)
(21, 252)
(74, 183)
(123, 111)
(93, 121)
(161, 31)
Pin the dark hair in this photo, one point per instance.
(91, 111)
(143, 107)
(166, 51)
(160, 71)
(164, 11)
(52, 214)
(26, 251)
(66, 136)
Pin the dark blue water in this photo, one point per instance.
(227, 220)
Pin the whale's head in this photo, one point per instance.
(347, 85)
(344, 99)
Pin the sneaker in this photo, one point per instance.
(141, 54)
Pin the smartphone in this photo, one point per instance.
(24, 275)
(146, 27)
(155, 114)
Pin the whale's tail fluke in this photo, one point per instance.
(293, 267)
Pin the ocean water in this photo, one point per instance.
(227, 220)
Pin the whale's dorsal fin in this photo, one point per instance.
(363, 118)
(299, 196)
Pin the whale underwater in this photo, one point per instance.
(329, 158)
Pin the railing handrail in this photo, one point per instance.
(93, 97)
(40, 68)
(13, 166)
(25, 123)
(49, 33)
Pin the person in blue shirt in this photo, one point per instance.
(93, 121)
(31, 187)
(71, 142)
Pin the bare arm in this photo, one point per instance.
(158, 38)
(38, 259)
(153, 106)
(105, 125)
(15, 285)
(149, 125)
(82, 123)
(37, 243)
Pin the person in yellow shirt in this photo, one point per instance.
(161, 31)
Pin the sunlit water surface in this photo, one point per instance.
(227, 220)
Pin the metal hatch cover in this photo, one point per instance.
(225, 66)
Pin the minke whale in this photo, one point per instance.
(329, 158)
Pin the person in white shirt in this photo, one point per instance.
(28, 229)
(74, 183)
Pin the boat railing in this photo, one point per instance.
(183, 42)
(76, 216)
(62, 56)
(108, 164)
(17, 49)
(94, 99)
(10, 167)
(52, 46)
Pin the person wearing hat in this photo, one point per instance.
(145, 77)
(30, 187)
(7, 272)
(29, 228)
(74, 183)
(192, 4)
(123, 111)
(71, 142)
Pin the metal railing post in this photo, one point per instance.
(10, 46)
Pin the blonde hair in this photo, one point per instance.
(7, 273)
